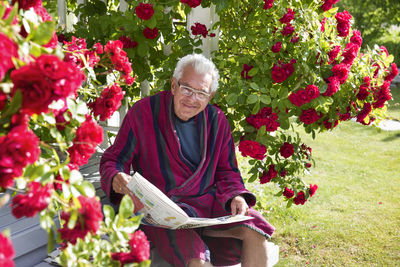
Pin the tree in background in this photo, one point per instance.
(379, 22)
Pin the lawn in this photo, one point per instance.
(354, 218)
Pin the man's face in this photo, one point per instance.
(186, 107)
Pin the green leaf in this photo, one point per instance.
(14, 105)
(266, 99)
(50, 240)
(256, 108)
(126, 207)
(43, 34)
(254, 86)
(231, 99)
(143, 49)
(251, 99)
(109, 212)
(86, 188)
(253, 72)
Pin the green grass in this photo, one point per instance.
(354, 217)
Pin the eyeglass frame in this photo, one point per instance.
(193, 91)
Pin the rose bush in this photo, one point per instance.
(51, 99)
(284, 65)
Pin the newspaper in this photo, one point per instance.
(160, 211)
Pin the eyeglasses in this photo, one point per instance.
(188, 91)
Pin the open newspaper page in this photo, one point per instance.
(160, 211)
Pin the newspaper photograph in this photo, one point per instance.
(160, 211)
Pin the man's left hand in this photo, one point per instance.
(239, 206)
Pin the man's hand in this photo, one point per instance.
(239, 206)
(119, 183)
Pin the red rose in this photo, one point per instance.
(287, 30)
(199, 29)
(308, 165)
(288, 17)
(283, 173)
(364, 112)
(18, 148)
(140, 247)
(27, 4)
(350, 53)
(89, 219)
(123, 257)
(295, 39)
(300, 198)
(7, 252)
(286, 150)
(268, 176)
(312, 92)
(329, 125)
(341, 71)
(108, 102)
(356, 38)
(280, 72)
(252, 149)
(334, 53)
(384, 50)
(393, 72)
(35, 200)
(144, 11)
(309, 116)
(87, 137)
(44, 81)
(264, 117)
(333, 86)
(343, 23)
(98, 48)
(118, 56)
(3, 100)
(276, 47)
(328, 4)
(323, 21)
(191, 3)
(363, 92)
(312, 189)
(8, 50)
(127, 42)
(288, 193)
(268, 4)
(382, 95)
(245, 72)
(150, 33)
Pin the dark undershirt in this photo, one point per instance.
(189, 140)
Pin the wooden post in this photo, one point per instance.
(208, 17)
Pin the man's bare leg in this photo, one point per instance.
(254, 247)
(199, 263)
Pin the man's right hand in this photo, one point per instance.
(119, 183)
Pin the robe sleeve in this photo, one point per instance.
(229, 182)
(118, 157)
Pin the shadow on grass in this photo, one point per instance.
(391, 138)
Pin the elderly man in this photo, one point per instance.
(183, 145)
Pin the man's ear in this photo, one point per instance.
(212, 95)
(173, 85)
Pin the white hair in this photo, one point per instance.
(201, 65)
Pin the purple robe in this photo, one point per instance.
(147, 143)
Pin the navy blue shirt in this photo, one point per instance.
(189, 140)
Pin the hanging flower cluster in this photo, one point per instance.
(139, 250)
(89, 219)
